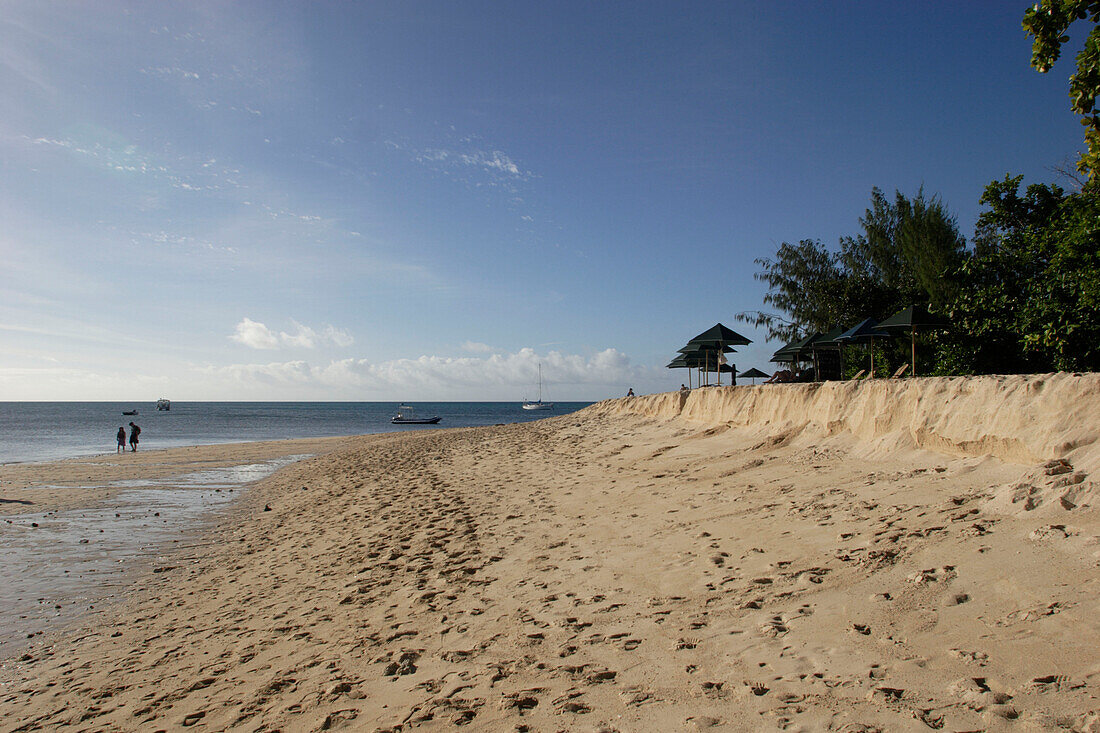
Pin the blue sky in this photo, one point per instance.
(425, 200)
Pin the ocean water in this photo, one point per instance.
(44, 431)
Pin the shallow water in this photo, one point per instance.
(56, 566)
(46, 431)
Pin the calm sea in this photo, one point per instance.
(44, 431)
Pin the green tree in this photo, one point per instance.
(1029, 295)
(808, 283)
(903, 256)
(1048, 23)
(931, 247)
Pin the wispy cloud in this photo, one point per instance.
(469, 160)
(170, 72)
(170, 239)
(494, 163)
(256, 335)
(120, 156)
(476, 347)
(71, 331)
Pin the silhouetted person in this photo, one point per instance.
(135, 431)
(121, 440)
(630, 392)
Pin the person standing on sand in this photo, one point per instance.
(121, 439)
(630, 392)
(135, 431)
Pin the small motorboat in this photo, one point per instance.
(130, 412)
(406, 415)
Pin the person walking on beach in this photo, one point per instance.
(121, 439)
(135, 431)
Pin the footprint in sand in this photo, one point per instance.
(774, 627)
(339, 719)
(757, 688)
(979, 658)
(523, 700)
(1053, 683)
(714, 690)
(636, 695)
(568, 703)
(1049, 532)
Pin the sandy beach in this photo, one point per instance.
(896, 555)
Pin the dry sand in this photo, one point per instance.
(898, 555)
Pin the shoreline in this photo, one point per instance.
(67, 549)
(644, 565)
(79, 481)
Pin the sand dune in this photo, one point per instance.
(907, 555)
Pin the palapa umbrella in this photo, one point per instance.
(718, 332)
(714, 342)
(703, 356)
(701, 348)
(826, 342)
(681, 362)
(862, 333)
(795, 351)
(911, 319)
(685, 362)
(752, 374)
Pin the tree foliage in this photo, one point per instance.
(903, 255)
(807, 283)
(1048, 23)
(1029, 296)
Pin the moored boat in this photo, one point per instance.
(406, 415)
(538, 404)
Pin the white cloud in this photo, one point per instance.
(499, 376)
(464, 154)
(476, 347)
(338, 336)
(255, 335)
(170, 71)
(112, 152)
(495, 161)
(258, 336)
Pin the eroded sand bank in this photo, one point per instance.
(896, 556)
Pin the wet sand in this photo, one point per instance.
(74, 534)
(647, 565)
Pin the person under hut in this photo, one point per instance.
(782, 376)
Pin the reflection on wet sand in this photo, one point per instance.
(56, 565)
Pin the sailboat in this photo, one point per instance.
(538, 404)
